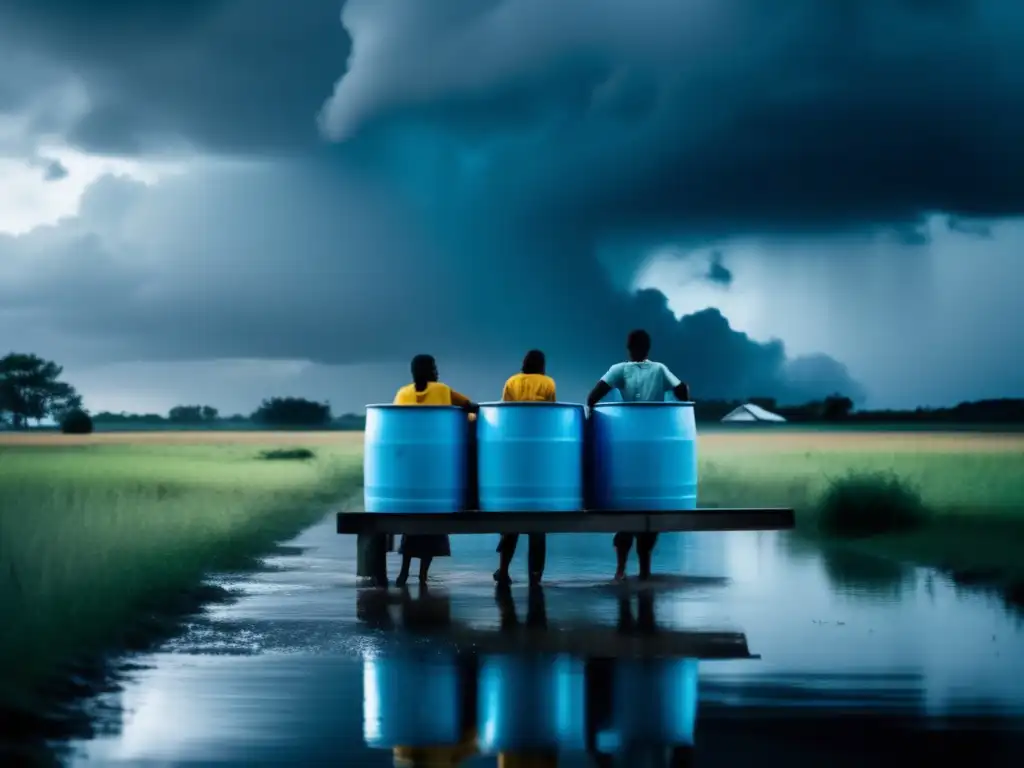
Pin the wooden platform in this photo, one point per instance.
(593, 521)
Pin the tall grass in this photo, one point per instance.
(866, 504)
(96, 540)
(955, 504)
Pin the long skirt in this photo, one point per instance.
(425, 545)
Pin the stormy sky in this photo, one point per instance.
(220, 200)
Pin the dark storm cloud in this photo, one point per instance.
(717, 271)
(769, 116)
(206, 280)
(970, 227)
(491, 150)
(224, 75)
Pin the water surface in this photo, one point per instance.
(857, 659)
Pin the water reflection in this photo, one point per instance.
(854, 574)
(613, 702)
(850, 664)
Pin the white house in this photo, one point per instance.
(750, 413)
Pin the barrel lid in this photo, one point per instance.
(528, 404)
(645, 403)
(417, 408)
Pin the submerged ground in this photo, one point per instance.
(105, 539)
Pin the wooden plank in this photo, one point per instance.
(766, 519)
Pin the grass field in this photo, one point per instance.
(103, 538)
(98, 532)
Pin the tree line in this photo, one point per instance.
(32, 390)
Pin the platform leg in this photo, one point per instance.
(371, 557)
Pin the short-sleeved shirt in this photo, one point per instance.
(525, 387)
(644, 382)
(436, 393)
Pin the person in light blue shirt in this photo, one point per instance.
(639, 380)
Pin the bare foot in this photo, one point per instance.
(620, 576)
(402, 578)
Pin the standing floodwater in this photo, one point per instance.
(281, 675)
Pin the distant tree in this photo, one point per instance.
(30, 388)
(836, 407)
(76, 422)
(292, 412)
(106, 417)
(350, 421)
(192, 414)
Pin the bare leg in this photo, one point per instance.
(644, 547)
(506, 551)
(623, 543)
(425, 568)
(403, 575)
(537, 556)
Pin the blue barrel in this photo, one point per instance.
(414, 458)
(531, 703)
(411, 702)
(530, 457)
(654, 704)
(645, 456)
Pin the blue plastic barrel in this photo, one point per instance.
(654, 704)
(412, 702)
(414, 458)
(645, 456)
(530, 457)
(531, 703)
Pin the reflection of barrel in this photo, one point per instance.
(412, 702)
(530, 457)
(531, 703)
(645, 456)
(655, 703)
(414, 458)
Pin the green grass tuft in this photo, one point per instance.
(288, 454)
(863, 504)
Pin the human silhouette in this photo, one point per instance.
(638, 380)
(531, 384)
(426, 389)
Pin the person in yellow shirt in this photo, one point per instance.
(426, 390)
(532, 384)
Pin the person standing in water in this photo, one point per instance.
(426, 390)
(639, 380)
(532, 384)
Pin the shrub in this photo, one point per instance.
(286, 454)
(870, 503)
(76, 422)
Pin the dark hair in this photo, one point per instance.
(424, 370)
(638, 344)
(534, 362)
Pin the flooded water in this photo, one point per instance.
(850, 659)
